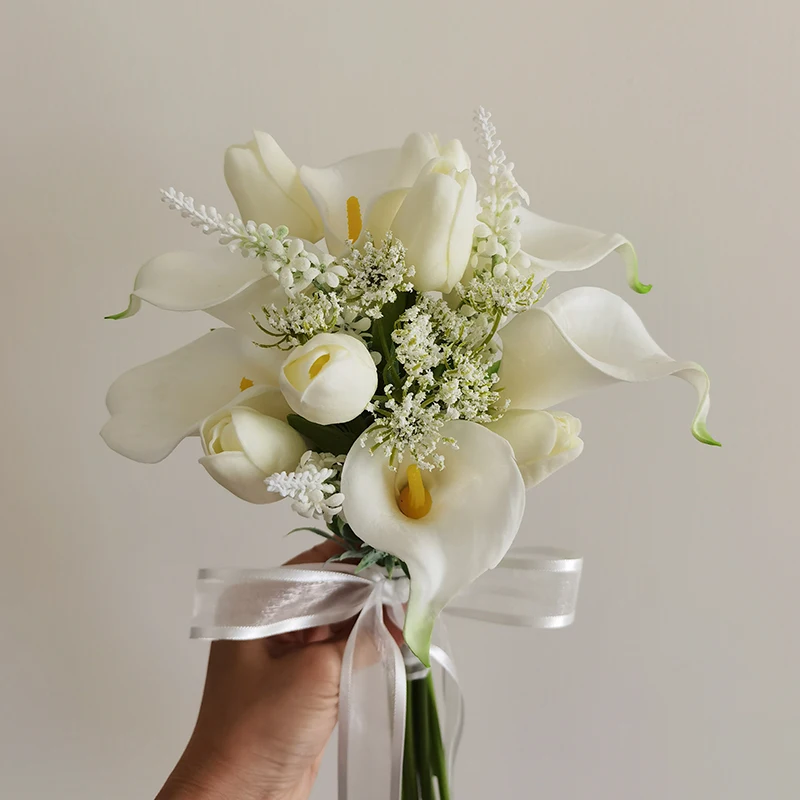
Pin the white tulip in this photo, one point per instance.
(542, 441)
(267, 188)
(243, 447)
(436, 222)
(449, 526)
(329, 379)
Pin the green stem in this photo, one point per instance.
(497, 317)
(410, 785)
(437, 746)
(422, 740)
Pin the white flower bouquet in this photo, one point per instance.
(387, 363)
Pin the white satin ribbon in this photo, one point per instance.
(533, 587)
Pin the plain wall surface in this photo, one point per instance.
(675, 123)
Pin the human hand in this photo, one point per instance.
(269, 707)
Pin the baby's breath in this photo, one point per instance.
(365, 281)
(411, 425)
(503, 295)
(375, 275)
(446, 358)
(304, 316)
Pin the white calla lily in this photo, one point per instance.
(267, 188)
(542, 441)
(474, 510)
(329, 379)
(365, 177)
(558, 247)
(377, 178)
(156, 405)
(584, 339)
(248, 441)
(193, 281)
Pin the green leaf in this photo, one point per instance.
(327, 438)
(318, 531)
(133, 306)
(350, 538)
(344, 556)
(370, 559)
(358, 425)
(495, 368)
(382, 337)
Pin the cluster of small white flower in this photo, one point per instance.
(303, 317)
(416, 346)
(411, 425)
(366, 280)
(500, 297)
(447, 360)
(502, 283)
(296, 267)
(314, 485)
(375, 275)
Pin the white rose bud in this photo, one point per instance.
(242, 447)
(436, 223)
(542, 441)
(330, 379)
(267, 188)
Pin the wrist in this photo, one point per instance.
(207, 777)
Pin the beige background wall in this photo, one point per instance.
(673, 122)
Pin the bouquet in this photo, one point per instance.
(387, 361)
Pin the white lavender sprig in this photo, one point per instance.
(284, 257)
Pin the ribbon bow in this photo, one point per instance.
(531, 587)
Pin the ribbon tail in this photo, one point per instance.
(453, 710)
(533, 587)
(372, 710)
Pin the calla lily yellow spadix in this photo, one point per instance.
(414, 499)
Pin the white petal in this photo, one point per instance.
(267, 188)
(478, 503)
(335, 392)
(267, 400)
(368, 177)
(270, 443)
(584, 339)
(381, 214)
(435, 223)
(542, 442)
(190, 281)
(557, 247)
(239, 310)
(237, 473)
(157, 404)
(365, 176)
(417, 150)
